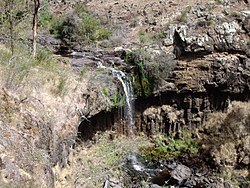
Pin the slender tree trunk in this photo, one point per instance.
(35, 25)
(9, 5)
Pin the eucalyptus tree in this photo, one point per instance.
(35, 25)
(13, 15)
(15, 19)
(7, 17)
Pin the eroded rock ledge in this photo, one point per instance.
(213, 69)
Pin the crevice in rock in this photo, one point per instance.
(101, 122)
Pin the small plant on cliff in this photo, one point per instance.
(184, 15)
(144, 37)
(117, 99)
(248, 43)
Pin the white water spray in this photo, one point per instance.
(128, 108)
(127, 87)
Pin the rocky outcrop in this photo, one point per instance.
(212, 69)
(224, 37)
(197, 88)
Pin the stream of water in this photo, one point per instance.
(128, 108)
(123, 79)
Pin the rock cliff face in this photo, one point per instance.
(213, 69)
(39, 126)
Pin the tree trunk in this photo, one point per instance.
(35, 25)
(9, 5)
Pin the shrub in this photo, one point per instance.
(149, 70)
(82, 27)
(143, 83)
(168, 147)
(184, 15)
(144, 37)
(50, 22)
(78, 27)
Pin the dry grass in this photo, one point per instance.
(90, 165)
(34, 118)
(227, 141)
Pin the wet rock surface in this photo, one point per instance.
(186, 171)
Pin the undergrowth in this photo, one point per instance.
(168, 147)
(77, 27)
(117, 98)
(92, 164)
(149, 70)
(20, 70)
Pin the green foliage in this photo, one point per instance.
(144, 37)
(117, 99)
(50, 22)
(80, 26)
(160, 68)
(219, 2)
(168, 147)
(102, 160)
(143, 81)
(45, 59)
(84, 72)
(248, 43)
(90, 27)
(14, 22)
(17, 69)
(158, 36)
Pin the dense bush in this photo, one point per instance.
(143, 82)
(77, 28)
(149, 70)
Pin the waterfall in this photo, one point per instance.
(128, 108)
(128, 91)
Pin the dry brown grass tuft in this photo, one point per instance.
(90, 165)
(226, 141)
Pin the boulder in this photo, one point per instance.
(180, 174)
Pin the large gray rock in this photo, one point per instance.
(180, 174)
(208, 35)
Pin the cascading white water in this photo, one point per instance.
(128, 108)
(127, 88)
